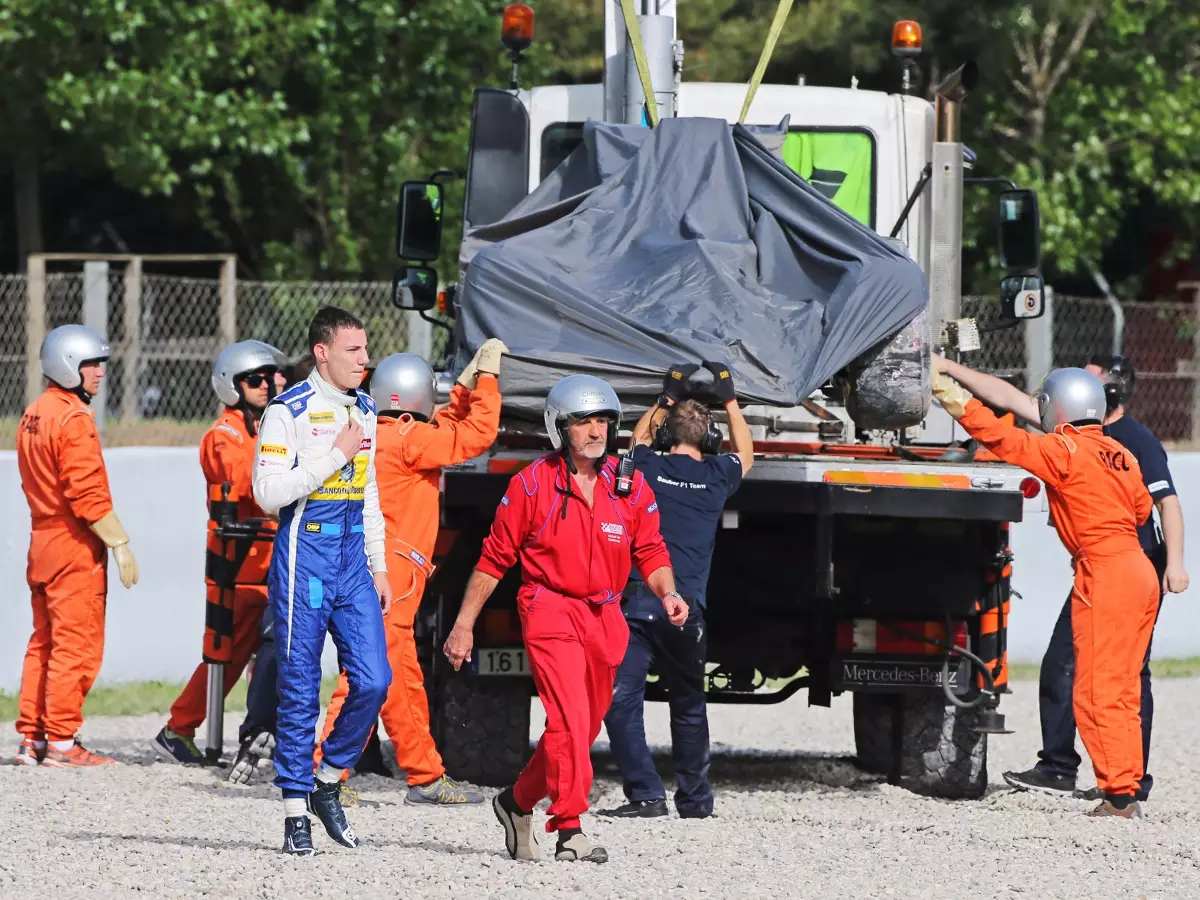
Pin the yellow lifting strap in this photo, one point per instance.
(639, 58)
(781, 14)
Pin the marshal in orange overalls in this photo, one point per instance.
(66, 485)
(227, 456)
(1097, 500)
(409, 458)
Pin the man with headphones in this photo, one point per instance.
(692, 481)
(1058, 762)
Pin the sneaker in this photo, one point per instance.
(297, 836)
(443, 791)
(325, 802)
(29, 753)
(575, 847)
(1106, 809)
(1092, 793)
(686, 813)
(638, 809)
(258, 745)
(518, 827)
(78, 757)
(1036, 780)
(177, 748)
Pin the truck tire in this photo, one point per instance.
(942, 756)
(481, 726)
(873, 732)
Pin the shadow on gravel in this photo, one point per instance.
(203, 843)
(796, 772)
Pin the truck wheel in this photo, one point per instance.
(942, 756)
(873, 732)
(481, 726)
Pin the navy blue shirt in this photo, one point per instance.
(1152, 458)
(691, 494)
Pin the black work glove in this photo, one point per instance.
(722, 381)
(677, 383)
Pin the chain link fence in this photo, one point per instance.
(166, 329)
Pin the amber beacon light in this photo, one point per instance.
(906, 38)
(516, 28)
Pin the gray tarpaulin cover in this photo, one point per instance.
(686, 242)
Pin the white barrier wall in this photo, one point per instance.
(155, 630)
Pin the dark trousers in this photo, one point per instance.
(262, 697)
(678, 656)
(1058, 756)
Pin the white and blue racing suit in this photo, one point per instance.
(330, 541)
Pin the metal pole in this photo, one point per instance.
(1039, 345)
(35, 324)
(131, 346)
(228, 301)
(95, 317)
(215, 713)
(420, 336)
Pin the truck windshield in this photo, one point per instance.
(839, 164)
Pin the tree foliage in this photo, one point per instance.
(290, 124)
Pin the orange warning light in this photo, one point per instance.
(906, 38)
(516, 28)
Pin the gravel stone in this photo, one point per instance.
(795, 818)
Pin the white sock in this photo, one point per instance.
(62, 745)
(39, 745)
(329, 775)
(294, 807)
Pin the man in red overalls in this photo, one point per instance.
(576, 528)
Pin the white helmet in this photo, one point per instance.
(1070, 396)
(238, 359)
(403, 382)
(576, 397)
(65, 348)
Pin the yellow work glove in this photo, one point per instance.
(487, 359)
(110, 530)
(952, 395)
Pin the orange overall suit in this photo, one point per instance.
(227, 457)
(408, 463)
(1097, 500)
(66, 486)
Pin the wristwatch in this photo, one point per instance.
(674, 594)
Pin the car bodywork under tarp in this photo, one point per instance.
(690, 241)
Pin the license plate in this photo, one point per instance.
(883, 674)
(500, 661)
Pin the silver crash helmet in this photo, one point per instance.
(404, 383)
(577, 397)
(66, 348)
(1070, 397)
(239, 359)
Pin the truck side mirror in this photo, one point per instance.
(419, 221)
(1022, 297)
(415, 288)
(1020, 238)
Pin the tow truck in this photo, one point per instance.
(853, 560)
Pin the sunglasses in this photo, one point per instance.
(257, 379)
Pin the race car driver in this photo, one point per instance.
(315, 466)
(1097, 501)
(66, 486)
(243, 378)
(576, 528)
(413, 446)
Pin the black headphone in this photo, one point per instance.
(710, 445)
(1118, 390)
